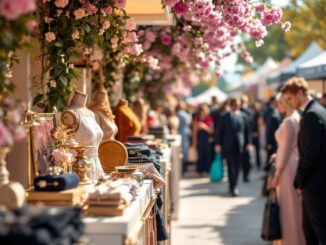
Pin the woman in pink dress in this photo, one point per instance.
(287, 159)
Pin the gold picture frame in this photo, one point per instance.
(42, 143)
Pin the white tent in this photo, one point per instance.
(207, 95)
(312, 51)
(314, 68)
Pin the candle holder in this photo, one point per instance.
(82, 164)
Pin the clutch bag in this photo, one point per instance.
(56, 182)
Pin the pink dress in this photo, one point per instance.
(287, 159)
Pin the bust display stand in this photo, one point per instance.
(103, 114)
(87, 132)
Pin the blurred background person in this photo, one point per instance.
(255, 133)
(173, 121)
(202, 132)
(185, 132)
(249, 116)
(232, 140)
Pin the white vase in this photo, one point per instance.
(12, 194)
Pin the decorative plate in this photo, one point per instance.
(112, 153)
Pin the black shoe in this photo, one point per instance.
(234, 193)
(246, 180)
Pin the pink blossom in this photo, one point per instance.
(61, 3)
(20, 134)
(260, 8)
(31, 25)
(91, 9)
(114, 39)
(132, 37)
(136, 49)
(150, 36)
(75, 35)
(50, 36)
(286, 26)
(218, 74)
(187, 28)
(120, 3)
(170, 3)
(13, 116)
(166, 39)
(106, 25)
(147, 45)
(7, 101)
(130, 24)
(106, 11)
(259, 43)
(5, 136)
(79, 13)
(198, 40)
(12, 9)
(180, 8)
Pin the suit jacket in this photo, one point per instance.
(311, 172)
(273, 122)
(232, 136)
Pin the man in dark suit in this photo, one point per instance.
(310, 179)
(273, 121)
(232, 139)
(249, 116)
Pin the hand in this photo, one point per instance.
(299, 191)
(202, 125)
(248, 147)
(218, 148)
(275, 181)
(273, 157)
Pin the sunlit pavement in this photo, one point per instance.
(208, 215)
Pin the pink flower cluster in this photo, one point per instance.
(61, 155)
(10, 118)
(12, 9)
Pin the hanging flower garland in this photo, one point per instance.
(206, 33)
(70, 30)
(17, 23)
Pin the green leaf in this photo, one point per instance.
(63, 79)
(37, 99)
(58, 44)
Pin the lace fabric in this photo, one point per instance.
(90, 133)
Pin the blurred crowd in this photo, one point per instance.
(249, 133)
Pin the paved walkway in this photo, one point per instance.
(209, 216)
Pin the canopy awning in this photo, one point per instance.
(314, 69)
(291, 70)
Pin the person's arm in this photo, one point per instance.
(283, 153)
(311, 139)
(272, 126)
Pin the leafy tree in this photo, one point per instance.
(308, 24)
(274, 47)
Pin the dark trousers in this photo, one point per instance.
(233, 162)
(246, 165)
(314, 218)
(256, 144)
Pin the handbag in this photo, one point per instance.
(216, 172)
(192, 154)
(271, 228)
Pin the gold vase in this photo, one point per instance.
(12, 194)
